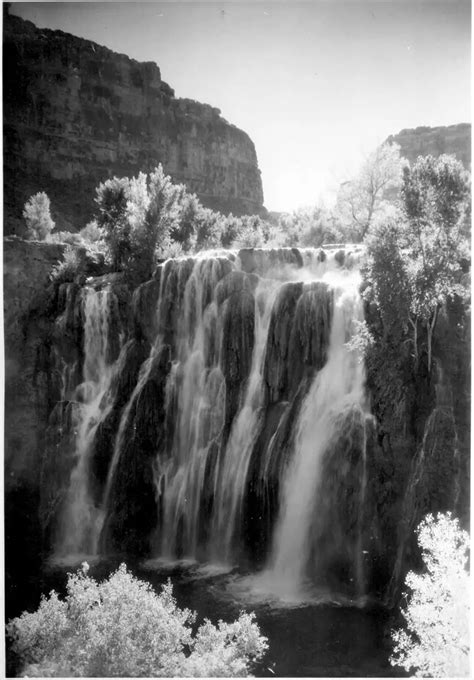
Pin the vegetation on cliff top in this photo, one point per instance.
(121, 627)
(37, 216)
(147, 218)
(417, 258)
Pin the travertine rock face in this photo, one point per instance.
(28, 301)
(425, 141)
(76, 113)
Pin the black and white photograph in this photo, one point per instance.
(236, 338)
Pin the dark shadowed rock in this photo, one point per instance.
(145, 310)
(29, 315)
(133, 508)
(238, 312)
(132, 357)
(278, 370)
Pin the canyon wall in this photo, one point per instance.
(76, 113)
(434, 141)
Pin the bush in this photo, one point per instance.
(69, 267)
(436, 640)
(137, 217)
(36, 214)
(121, 627)
(92, 233)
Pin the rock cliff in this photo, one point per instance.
(424, 141)
(76, 113)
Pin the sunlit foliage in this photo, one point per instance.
(309, 227)
(37, 216)
(121, 627)
(435, 640)
(370, 194)
(148, 218)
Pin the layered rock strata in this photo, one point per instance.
(76, 113)
(434, 141)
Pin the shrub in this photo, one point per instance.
(436, 640)
(69, 267)
(36, 214)
(121, 627)
(92, 233)
(252, 233)
(137, 217)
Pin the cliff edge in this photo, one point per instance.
(76, 113)
(434, 141)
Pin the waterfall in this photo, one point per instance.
(234, 467)
(196, 396)
(77, 534)
(236, 383)
(337, 389)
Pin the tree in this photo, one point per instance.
(308, 227)
(137, 216)
(37, 216)
(416, 258)
(112, 197)
(366, 196)
(252, 232)
(435, 642)
(121, 627)
(436, 198)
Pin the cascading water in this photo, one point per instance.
(336, 390)
(195, 395)
(78, 532)
(247, 384)
(246, 426)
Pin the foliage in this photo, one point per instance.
(112, 198)
(37, 216)
(367, 195)
(69, 267)
(168, 249)
(386, 272)
(252, 233)
(92, 233)
(415, 260)
(436, 640)
(121, 627)
(147, 216)
(309, 227)
(361, 340)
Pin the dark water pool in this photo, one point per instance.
(305, 640)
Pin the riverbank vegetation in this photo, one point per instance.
(435, 639)
(121, 627)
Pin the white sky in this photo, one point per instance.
(315, 84)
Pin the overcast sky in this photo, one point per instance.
(315, 84)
